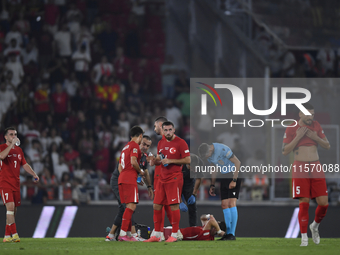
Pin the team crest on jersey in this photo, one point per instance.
(172, 150)
(166, 148)
(19, 156)
(134, 150)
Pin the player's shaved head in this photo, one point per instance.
(161, 119)
(158, 124)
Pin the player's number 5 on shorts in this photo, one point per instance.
(297, 190)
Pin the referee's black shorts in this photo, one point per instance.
(227, 193)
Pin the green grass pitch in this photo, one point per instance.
(94, 246)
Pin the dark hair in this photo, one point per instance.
(222, 225)
(168, 123)
(203, 150)
(194, 159)
(136, 131)
(147, 137)
(308, 106)
(161, 119)
(9, 128)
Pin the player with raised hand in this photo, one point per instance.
(11, 159)
(129, 169)
(308, 182)
(173, 152)
(220, 154)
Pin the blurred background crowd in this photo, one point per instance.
(76, 75)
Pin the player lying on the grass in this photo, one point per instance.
(210, 227)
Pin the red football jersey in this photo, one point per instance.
(175, 149)
(129, 174)
(10, 168)
(290, 134)
(196, 234)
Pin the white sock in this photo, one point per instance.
(304, 236)
(7, 236)
(158, 234)
(122, 233)
(111, 235)
(315, 225)
(134, 235)
(152, 233)
(174, 235)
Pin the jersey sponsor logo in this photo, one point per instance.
(285, 136)
(172, 150)
(135, 150)
(186, 151)
(14, 155)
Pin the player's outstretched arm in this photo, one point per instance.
(29, 170)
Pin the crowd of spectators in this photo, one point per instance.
(75, 76)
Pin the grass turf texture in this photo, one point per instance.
(94, 246)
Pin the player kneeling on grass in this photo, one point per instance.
(210, 227)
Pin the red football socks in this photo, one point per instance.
(303, 217)
(126, 221)
(168, 212)
(157, 220)
(8, 230)
(320, 213)
(163, 217)
(176, 216)
(13, 228)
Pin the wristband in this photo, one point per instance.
(234, 180)
(149, 186)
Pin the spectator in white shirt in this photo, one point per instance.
(13, 34)
(102, 69)
(327, 58)
(17, 69)
(54, 138)
(7, 98)
(35, 154)
(71, 85)
(30, 54)
(60, 168)
(81, 59)
(13, 48)
(173, 114)
(62, 40)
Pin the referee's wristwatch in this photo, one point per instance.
(234, 180)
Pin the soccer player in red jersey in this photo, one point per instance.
(205, 233)
(157, 174)
(307, 174)
(127, 182)
(11, 158)
(173, 154)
